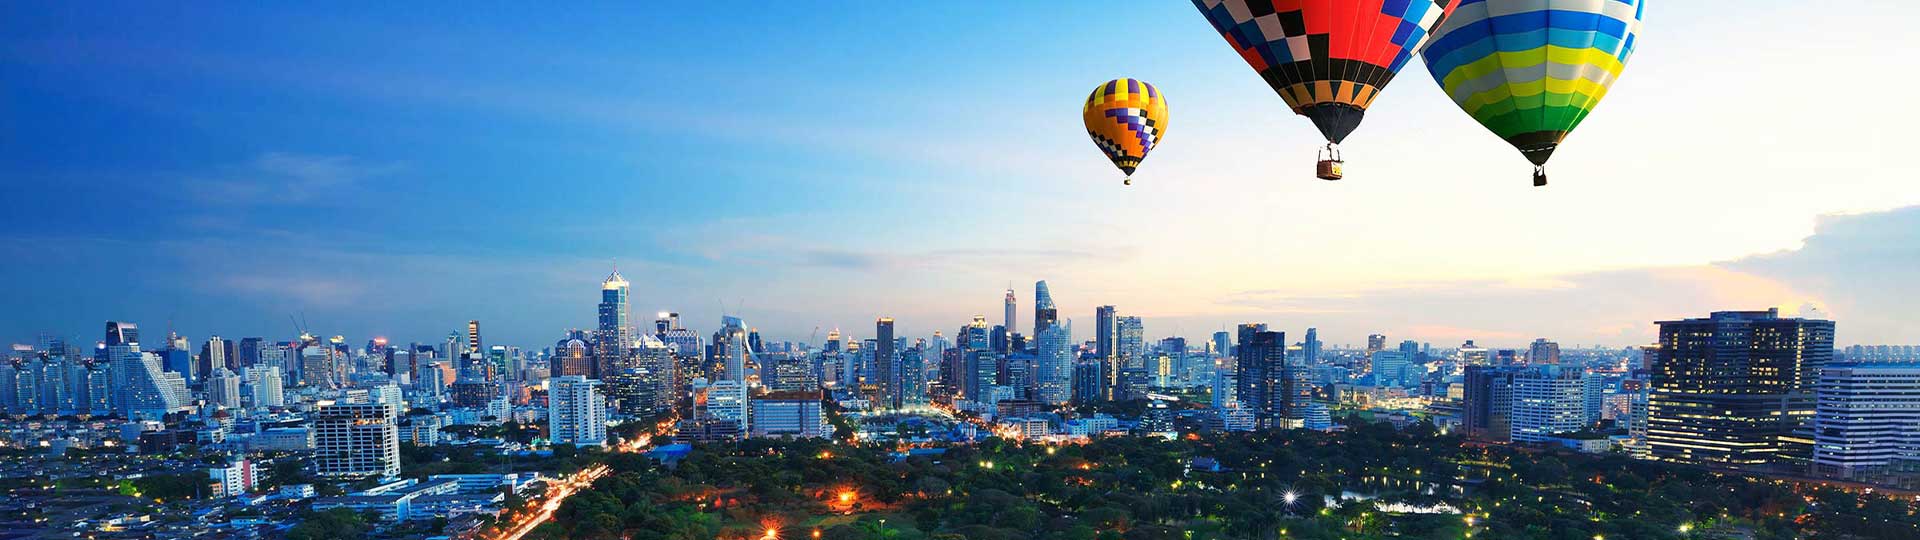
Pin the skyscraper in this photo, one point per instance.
(730, 344)
(141, 388)
(1130, 339)
(570, 358)
(1055, 371)
(1244, 334)
(1044, 312)
(1223, 343)
(122, 333)
(1376, 342)
(473, 338)
(1311, 348)
(1258, 385)
(576, 413)
(247, 353)
(215, 354)
(1011, 317)
(886, 362)
(1105, 346)
(613, 336)
(1731, 389)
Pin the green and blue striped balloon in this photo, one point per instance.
(1531, 70)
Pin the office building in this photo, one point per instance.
(1473, 355)
(1732, 389)
(1487, 403)
(613, 336)
(794, 415)
(730, 348)
(724, 401)
(1866, 424)
(1258, 385)
(1547, 400)
(1543, 352)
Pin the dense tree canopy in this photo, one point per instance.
(1368, 482)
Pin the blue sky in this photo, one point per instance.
(397, 170)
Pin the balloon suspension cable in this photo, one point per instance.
(1539, 175)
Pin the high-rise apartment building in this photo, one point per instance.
(1130, 339)
(356, 439)
(576, 412)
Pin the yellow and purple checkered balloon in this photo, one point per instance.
(1126, 118)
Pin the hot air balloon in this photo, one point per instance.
(1327, 58)
(1531, 70)
(1125, 118)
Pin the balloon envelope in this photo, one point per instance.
(1327, 58)
(1125, 118)
(1531, 70)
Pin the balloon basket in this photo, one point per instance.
(1330, 166)
(1329, 169)
(1539, 176)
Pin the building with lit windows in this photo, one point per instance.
(576, 412)
(613, 335)
(1733, 388)
(356, 439)
(1867, 421)
(1547, 401)
(794, 415)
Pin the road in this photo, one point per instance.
(561, 489)
(556, 494)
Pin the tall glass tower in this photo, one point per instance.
(613, 336)
(1044, 313)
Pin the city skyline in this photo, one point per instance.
(421, 271)
(231, 191)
